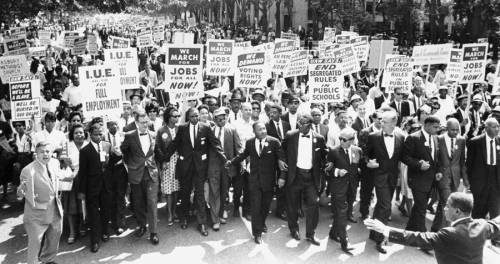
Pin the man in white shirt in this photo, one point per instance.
(341, 122)
(73, 94)
(150, 75)
(54, 137)
(48, 103)
(126, 118)
(447, 105)
(234, 112)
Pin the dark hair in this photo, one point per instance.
(257, 123)
(96, 120)
(255, 103)
(276, 106)
(50, 116)
(75, 113)
(151, 108)
(270, 82)
(462, 201)
(94, 127)
(72, 131)
(203, 106)
(431, 120)
(167, 114)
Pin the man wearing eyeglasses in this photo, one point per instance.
(343, 183)
(401, 106)
(305, 151)
(383, 153)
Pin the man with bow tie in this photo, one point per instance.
(383, 153)
(305, 151)
(138, 156)
(451, 151)
(420, 154)
(482, 163)
(343, 173)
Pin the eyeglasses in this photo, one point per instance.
(256, 109)
(346, 139)
(399, 93)
(176, 116)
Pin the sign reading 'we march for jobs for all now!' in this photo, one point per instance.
(220, 59)
(473, 62)
(183, 78)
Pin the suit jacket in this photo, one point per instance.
(290, 147)
(231, 147)
(197, 156)
(415, 149)
(404, 110)
(358, 124)
(340, 161)
(453, 168)
(323, 131)
(476, 164)
(459, 116)
(286, 118)
(263, 167)
(272, 130)
(135, 160)
(41, 191)
(93, 174)
(387, 172)
(164, 141)
(461, 243)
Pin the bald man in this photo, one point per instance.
(451, 155)
(482, 168)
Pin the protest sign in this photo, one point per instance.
(361, 47)
(329, 35)
(12, 66)
(37, 52)
(69, 39)
(454, 68)
(158, 33)
(44, 37)
(79, 46)
(348, 59)
(25, 99)
(92, 44)
(398, 73)
(17, 33)
(482, 40)
(282, 52)
(378, 50)
(144, 37)
(103, 96)
(220, 59)
(291, 36)
(343, 39)
(432, 54)
(119, 43)
(325, 80)
(16, 46)
(243, 44)
(183, 77)
(251, 72)
(473, 62)
(183, 37)
(126, 61)
(299, 63)
(496, 84)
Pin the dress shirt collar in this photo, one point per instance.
(488, 139)
(426, 135)
(95, 145)
(459, 220)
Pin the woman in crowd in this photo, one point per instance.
(153, 112)
(71, 206)
(169, 183)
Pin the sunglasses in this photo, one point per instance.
(346, 139)
(257, 109)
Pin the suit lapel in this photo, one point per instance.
(382, 142)
(138, 141)
(45, 175)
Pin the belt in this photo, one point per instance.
(302, 170)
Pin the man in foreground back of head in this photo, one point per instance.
(461, 242)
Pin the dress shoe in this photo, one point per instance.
(313, 240)
(94, 247)
(258, 239)
(295, 235)
(427, 251)
(184, 224)
(380, 248)
(170, 221)
(282, 216)
(431, 209)
(119, 231)
(224, 214)
(139, 232)
(264, 229)
(203, 230)
(223, 221)
(216, 227)
(153, 237)
(403, 211)
(71, 239)
(334, 238)
(352, 220)
(105, 237)
(344, 245)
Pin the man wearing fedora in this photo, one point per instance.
(235, 102)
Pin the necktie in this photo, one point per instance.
(235, 116)
(98, 149)
(114, 141)
(452, 147)
(491, 152)
(220, 132)
(48, 171)
(279, 130)
(260, 147)
(306, 136)
(316, 128)
(143, 134)
(388, 135)
(347, 155)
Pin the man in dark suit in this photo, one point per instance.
(401, 106)
(303, 176)
(133, 125)
(95, 185)
(317, 126)
(451, 151)
(291, 117)
(483, 159)
(476, 117)
(366, 179)
(461, 243)
(193, 142)
(343, 182)
(421, 157)
(265, 154)
(361, 121)
(138, 156)
(278, 128)
(461, 114)
(218, 175)
(383, 153)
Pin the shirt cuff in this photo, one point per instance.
(386, 232)
(336, 172)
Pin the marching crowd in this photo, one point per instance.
(211, 157)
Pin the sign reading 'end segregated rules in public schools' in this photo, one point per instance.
(220, 59)
(398, 73)
(103, 95)
(184, 80)
(326, 80)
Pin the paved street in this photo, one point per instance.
(232, 244)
